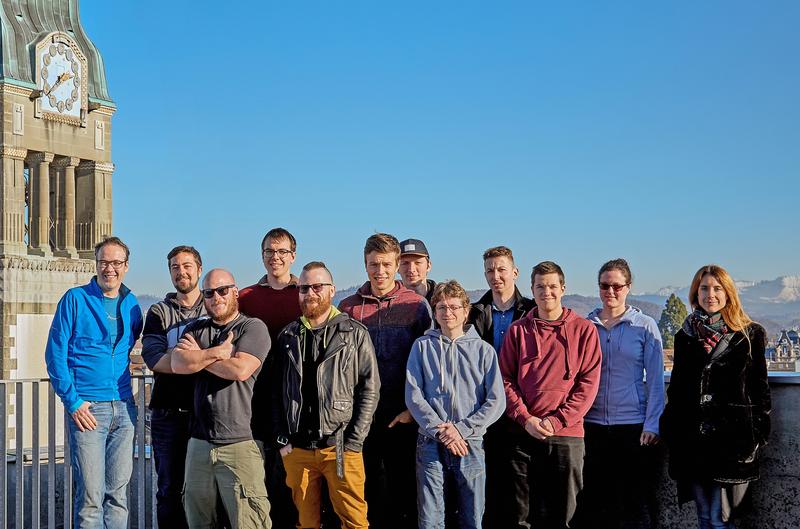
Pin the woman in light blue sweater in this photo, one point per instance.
(454, 391)
(622, 425)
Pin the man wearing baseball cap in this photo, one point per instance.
(415, 263)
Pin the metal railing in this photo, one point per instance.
(36, 481)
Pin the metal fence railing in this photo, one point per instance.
(36, 481)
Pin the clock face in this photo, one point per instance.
(60, 78)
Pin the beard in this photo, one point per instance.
(315, 307)
(185, 289)
(223, 313)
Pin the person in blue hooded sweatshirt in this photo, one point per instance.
(454, 391)
(622, 425)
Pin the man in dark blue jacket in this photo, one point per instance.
(94, 329)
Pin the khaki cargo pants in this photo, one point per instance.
(236, 473)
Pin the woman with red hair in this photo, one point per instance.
(717, 415)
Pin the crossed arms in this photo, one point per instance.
(220, 360)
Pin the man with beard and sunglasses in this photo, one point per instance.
(171, 397)
(226, 351)
(324, 406)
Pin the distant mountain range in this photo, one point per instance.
(774, 303)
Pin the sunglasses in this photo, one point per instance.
(208, 293)
(611, 286)
(316, 287)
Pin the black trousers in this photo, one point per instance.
(282, 511)
(499, 483)
(620, 478)
(169, 430)
(547, 477)
(391, 483)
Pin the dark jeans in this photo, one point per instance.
(169, 430)
(708, 497)
(283, 512)
(496, 444)
(619, 478)
(391, 485)
(547, 477)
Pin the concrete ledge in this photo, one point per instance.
(776, 496)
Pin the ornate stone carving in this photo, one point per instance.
(91, 165)
(7, 151)
(59, 118)
(7, 88)
(83, 266)
(39, 157)
(104, 110)
(65, 161)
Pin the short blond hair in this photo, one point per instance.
(382, 243)
(499, 251)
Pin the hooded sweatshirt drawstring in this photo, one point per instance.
(450, 352)
(558, 325)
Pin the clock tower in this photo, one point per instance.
(55, 170)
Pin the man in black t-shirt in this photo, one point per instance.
(226, 351)
(171, 398)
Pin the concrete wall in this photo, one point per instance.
(776, 496)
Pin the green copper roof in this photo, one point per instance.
(24, 22)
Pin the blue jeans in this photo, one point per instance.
(102, 463)
(436, 467)
(708, 498)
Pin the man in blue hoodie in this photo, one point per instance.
(93, 331)
(454, 391)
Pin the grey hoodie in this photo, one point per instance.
(454, 381)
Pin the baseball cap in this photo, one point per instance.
(413, 247)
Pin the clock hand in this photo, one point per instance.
(66, 76)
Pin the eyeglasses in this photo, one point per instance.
(116, 265)
(452, 308)
(316, 287)
(611, 286)
(282, 252)
(208, 293)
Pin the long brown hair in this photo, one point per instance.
(734, 315)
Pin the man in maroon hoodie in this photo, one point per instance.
(550, 362)
(395, 317)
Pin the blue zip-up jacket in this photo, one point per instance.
(455, 381)
(631, 349)
(81, 361)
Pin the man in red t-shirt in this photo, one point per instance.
(274, 300)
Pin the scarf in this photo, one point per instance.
(707, 328)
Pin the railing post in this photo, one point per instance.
(19, 435)
(4, 444)
(51, 457)
(142, 459)
(67, 473)
(35, 463)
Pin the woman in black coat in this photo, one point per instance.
(717, 415)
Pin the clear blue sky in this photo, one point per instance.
(667, 133)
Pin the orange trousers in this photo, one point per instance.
(305, 470)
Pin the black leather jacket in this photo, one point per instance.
(480, 315)
(717, 415)
(347, 382)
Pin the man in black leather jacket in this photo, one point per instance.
(325, 402)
